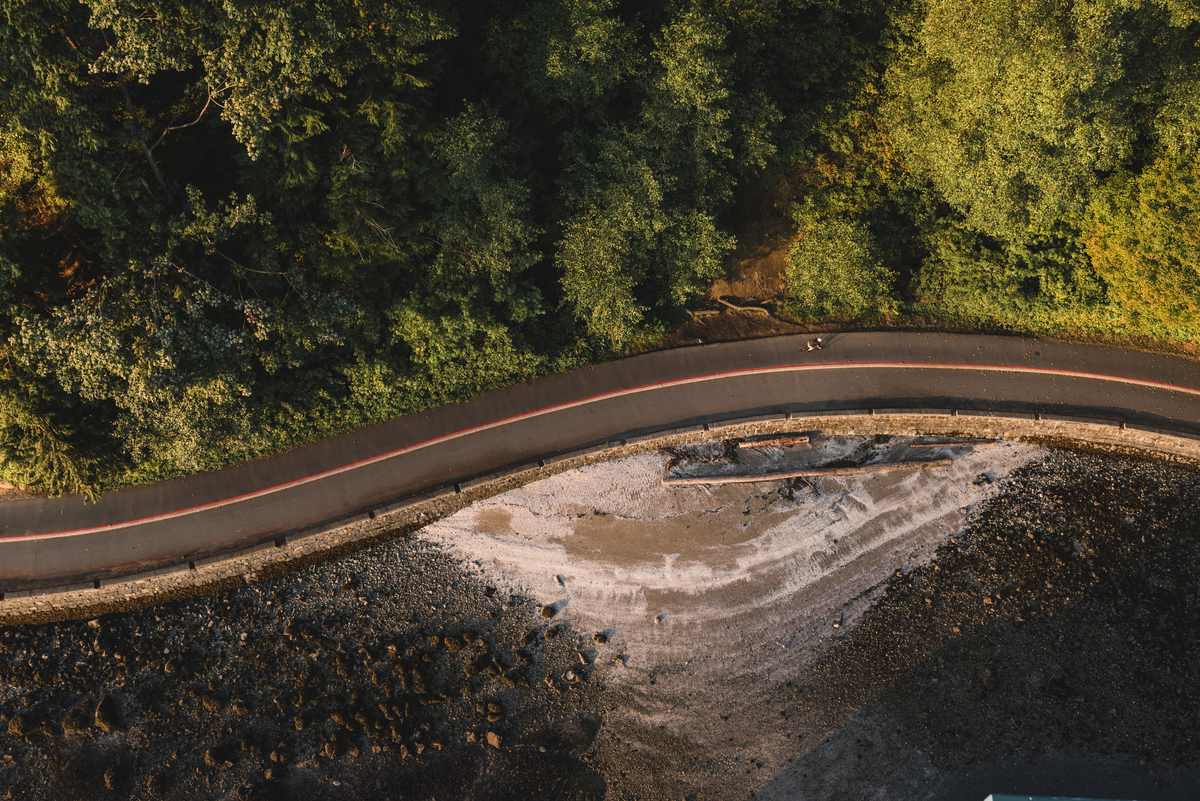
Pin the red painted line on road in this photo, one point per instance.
(584, 401)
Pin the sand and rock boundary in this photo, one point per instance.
(296, 551)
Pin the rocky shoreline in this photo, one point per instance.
(1063, 616)
(1064, 620)
(387, 664)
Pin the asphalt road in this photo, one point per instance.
(53, 542)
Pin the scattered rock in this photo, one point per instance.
(553, 609)
(225, 700)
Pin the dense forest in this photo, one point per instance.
(231, 227)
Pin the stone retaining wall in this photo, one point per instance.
(361, 531)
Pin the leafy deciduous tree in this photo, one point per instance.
(1145, 240)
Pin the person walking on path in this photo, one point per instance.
(815, 344)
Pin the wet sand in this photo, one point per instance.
(714, 596)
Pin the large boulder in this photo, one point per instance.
(18, 726)
(108, 715)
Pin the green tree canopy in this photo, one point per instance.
(836, 269)
(1145, 240)
(1016, 108)
(231, 227)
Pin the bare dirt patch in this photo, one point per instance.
(11, 492)
(727, 326)
(756, 270)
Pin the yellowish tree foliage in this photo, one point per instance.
(1145, 241)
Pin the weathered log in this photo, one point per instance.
(808, 471)
(952, 444)
(763, 443)
(743, 308)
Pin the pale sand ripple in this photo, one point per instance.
(687, 572)
(717, 595)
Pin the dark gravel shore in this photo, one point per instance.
(376, 675)
(1064, 620)
(1065, 617)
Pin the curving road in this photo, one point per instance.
(62, 541)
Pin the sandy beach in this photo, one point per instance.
(710, 597)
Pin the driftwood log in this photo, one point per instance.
(952, 444)
(669, 481)
(763, 443)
